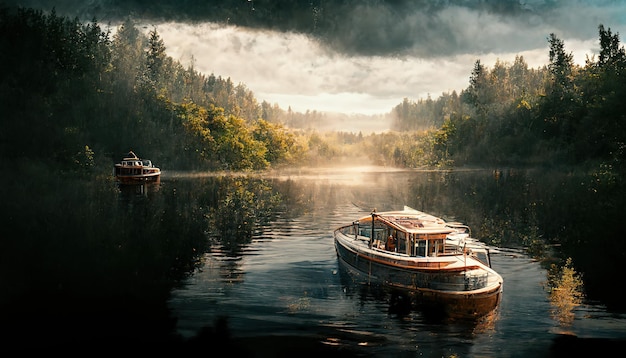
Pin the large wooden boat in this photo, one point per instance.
(436, 262)
(133, 170)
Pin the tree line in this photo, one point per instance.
(75, 95)
(78, 94)
(510, 115)
(561, 113)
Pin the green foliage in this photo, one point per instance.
(282, 146)
(236, 147)
(132, 95)
(84, 161)
(513, 115)
(561, 65)
(480, 93)
(197, 143)
(426, 114)
(442, 140)
(566, 291)
(53, 62)
(155, 57)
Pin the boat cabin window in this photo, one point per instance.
(420, 248)
(380, 232)
(401, 245)
(378, 238)
(435, 247)
(432, 248)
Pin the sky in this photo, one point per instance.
(355, 56)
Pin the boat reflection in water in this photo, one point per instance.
(139, 189)
(434, 263)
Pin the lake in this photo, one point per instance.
(285, 281)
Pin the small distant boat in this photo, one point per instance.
(437, 262)
(133, 170)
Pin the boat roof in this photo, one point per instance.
(412, 221)
(131, 156)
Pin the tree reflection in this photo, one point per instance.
(94, 256)
(117, 252)
(241, 205)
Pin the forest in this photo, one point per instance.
(74, 98)
(92, 96)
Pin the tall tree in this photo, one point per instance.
(561, 64)
(479, 92)
(561, 104)
(605, 88)
(611, 54)
(155, 57)
(127, 56)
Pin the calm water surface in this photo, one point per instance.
(288, 281)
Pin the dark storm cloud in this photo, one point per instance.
(364, 27)
(354, 56)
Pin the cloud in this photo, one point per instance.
(424, 28)
(351, 56)
(278, 66)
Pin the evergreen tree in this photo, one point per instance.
(560, 66)
(155, 57)
(604, 86)
(611, 54)
(561, 107)
(127, 56)
(478, 94)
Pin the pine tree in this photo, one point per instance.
(155, 57)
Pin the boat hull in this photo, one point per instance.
(138, 179)
(133, 170)
(439, 292)
(459, 305)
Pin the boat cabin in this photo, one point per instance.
(131, 160)
(137, 163)
(408, 236)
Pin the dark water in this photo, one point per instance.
(287, 281)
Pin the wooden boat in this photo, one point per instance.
(133, 170)
(437, 262)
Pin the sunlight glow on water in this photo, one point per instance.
(288, 281)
